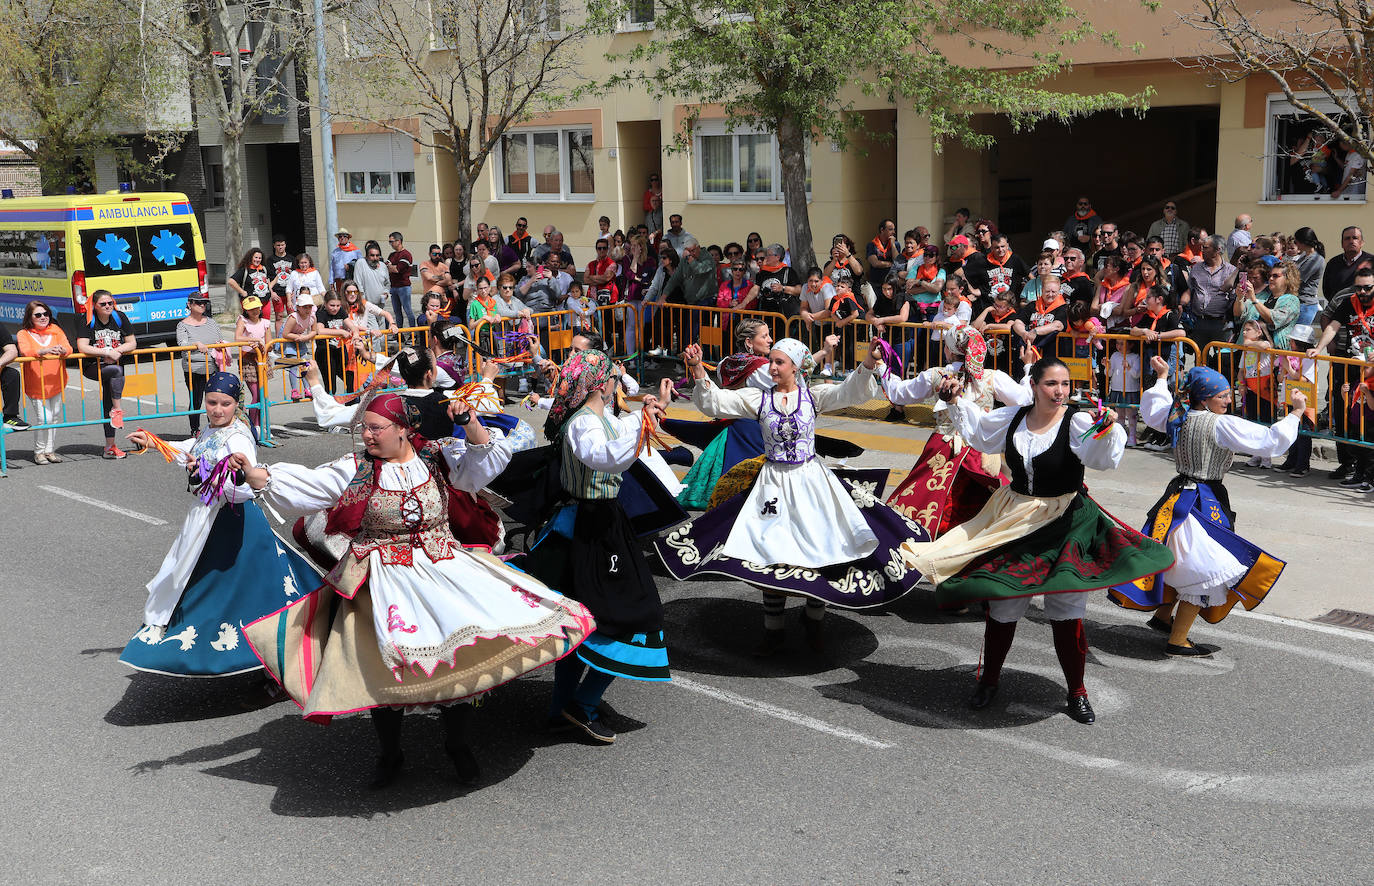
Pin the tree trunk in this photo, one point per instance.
(792, 156)
(233, 195)
(464, 202)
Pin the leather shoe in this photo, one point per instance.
(1158, 624)
(1188, 651)
(1341, 472)
(982, 696)
(1080, 710)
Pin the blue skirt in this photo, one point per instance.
(635, 656)
(244, 572)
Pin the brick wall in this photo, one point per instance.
(20, 176)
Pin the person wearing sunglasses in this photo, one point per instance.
(9, 382)
(520, 239)
(1080, 227)
(1171, 230)
(1348, 322)
(107, 337)
(198, 330)
(653, 203)
(45, 377)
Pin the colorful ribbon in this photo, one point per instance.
(155, 442)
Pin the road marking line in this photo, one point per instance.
(1334, 630)
(301, 431)
(1260, 616)
(95, 502)
(772, 710)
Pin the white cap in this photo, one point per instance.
(1050, 243)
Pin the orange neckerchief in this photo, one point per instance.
(1365, 317)
(306, 271)
(255, 267)
(927, 272)
(1042, 309)
(993, 261)
(1164, 263)
(1113, 290)
(768, 269)
(348, 247)
(998, 318)
(1155, 318)
(1080, 214)
(1189, 255)
(1073, 275)
(1141, 293)
(882, 250)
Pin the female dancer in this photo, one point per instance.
(589, 549)
(225, 568)
(419, 619)
(1042, 534)
(1214, 569)
(951, 481)
(799, 529)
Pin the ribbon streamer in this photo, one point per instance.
(477, 396)
(155, 442)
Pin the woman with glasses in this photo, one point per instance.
(653, 203)
(107, 337)
(200, 330)
(1275, 304)
(409, 615)
(45, 378)
(517, 319)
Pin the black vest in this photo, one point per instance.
(1057, 470)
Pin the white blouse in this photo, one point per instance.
(987, 432)
(903, 392)
(1230, 431)
(591, 445)
(858, 388)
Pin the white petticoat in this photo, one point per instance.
(1203, 571)
(800, 515)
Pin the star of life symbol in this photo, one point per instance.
(168, 248)
(112, 251)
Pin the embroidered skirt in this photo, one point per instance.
(833, 537)
(244, 571)
(1021, 545)
(1213, 567)
(945, 489)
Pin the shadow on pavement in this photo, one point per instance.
(323, 771)
(150, 699)
(713, 635)
(938, 698)
(918, 607)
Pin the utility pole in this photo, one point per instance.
(325, 135)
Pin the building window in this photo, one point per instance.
(378, 166)
(1305, 160)
(546, 164)
(212, 160)
(739, 165)
(639, 16)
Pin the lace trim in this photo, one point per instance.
(425, 660)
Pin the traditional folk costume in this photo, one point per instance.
(797, 528)
(589, 549)
(1042, 534)
(226, 567)
(1214, 569)
(408, 616)
(951, 481)
(726, 443)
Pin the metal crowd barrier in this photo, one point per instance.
(143, 382)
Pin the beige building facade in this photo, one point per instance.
(1218, 149)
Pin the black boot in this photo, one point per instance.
(387, 722)
(456, 718)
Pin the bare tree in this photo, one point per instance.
(1304, 46)
(238, 54)
(468, 70)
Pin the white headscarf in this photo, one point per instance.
(797, 352)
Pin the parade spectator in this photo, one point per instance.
(1340, 269)
(882, 252)
(653, 203)
(1160, 326)
(842, 264)
(554, 246)
(925, 280)
(1123, 387)
(1110, 303)
(400, 265)
(1192, 253)
(10, 379)
(482, 311)
(889, 307)
(1080, 227)
(694, 282)
(1174, 275)
(431, 308)
(1211, 287)
(545, 287)
(955, 307)
(372, 275)
(1353, 177)
(507, 258)
(675, 236)
(251, 277)
(601, 274)
(1240, 235)
(108, 337)
(1147, 276)
(1133, 250)
(1043, 318)
(1108, 242)
(1272, 300)
(983, 232)
(657, 322)
(298, 331)
(753, 244)
(1309, 255)
(198, 330)
(481, 251)
(279, 265)
(251, 326)
(1348, 317)
(779, 285)
(1076, 283)
(480, 238)
(1294, 371)
(520, 239)
(815, 298)
(477, 270)
(1171, 230)
(1044, 269)
(738, 291)
(910, 256)
(639, 270)
(844, 309)
(960, 226)
(331, 333)
(45, 376)
(1000, 270)
(436, 276)
(1054, 246)
(341, 259)
(305, 283)
(366, 316)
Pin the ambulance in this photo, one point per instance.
(144, 248)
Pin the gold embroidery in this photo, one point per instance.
(927, 513)
(940, 469)
(858, 581)
(687, 552)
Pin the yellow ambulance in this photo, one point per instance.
(144, 248)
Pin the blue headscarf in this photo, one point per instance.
(1202, 383)
(224, 383)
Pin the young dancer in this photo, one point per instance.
(798, 529)
(1214, 569)
(1040, 535)
(225, 568)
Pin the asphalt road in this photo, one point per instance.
(861, 766)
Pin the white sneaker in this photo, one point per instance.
(524, 386)
(829, 370)
(1254, 462)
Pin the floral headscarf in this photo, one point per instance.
(969, 343)
(584, 372)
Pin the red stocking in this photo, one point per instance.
(1071, 645)
(996, 644)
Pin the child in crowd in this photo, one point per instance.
(1085, 327)
(583, 309)
(1256, 381)
(432, 305)
(1299, 373)
(1123, 386)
